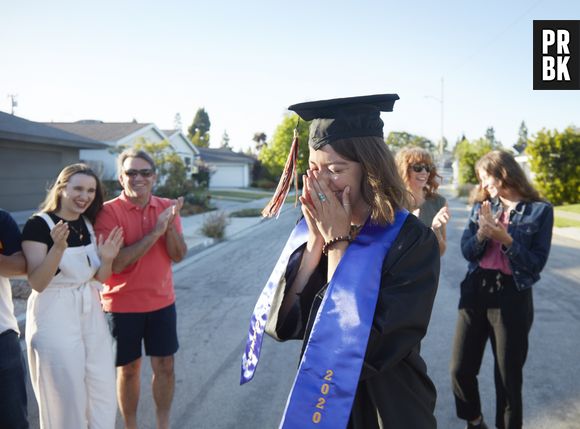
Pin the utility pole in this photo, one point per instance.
(441, 101)
(13, 102)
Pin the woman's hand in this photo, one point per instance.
(491, 228)
(109, 248)
(59, 235)
(315, 239)
(441, 218)
(331, 217)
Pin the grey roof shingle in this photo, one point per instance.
(15, 128)
(99, 130)
(224, 155)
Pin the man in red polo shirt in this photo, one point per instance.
(139, 296)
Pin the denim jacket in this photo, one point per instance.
(530, 226)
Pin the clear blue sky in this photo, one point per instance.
(246, 61)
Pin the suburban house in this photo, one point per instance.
(31, 156)
(228, 169)
(119, 134)
(184, 148)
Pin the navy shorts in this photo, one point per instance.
(157, 329)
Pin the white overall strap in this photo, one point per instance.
(47, 219)
(89, 226)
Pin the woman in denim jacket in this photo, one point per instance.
(507, 242)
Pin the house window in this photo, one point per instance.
(187, 160)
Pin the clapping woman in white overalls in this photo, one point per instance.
(70, 349)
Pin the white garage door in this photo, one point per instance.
(228, 176)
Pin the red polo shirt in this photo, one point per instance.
(146, 285)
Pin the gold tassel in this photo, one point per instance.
(275, 205)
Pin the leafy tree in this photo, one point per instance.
(198, 131)
(467, 154)
(225, 141)
(398, 139)
(260, 140)
(171, 171)
(490, 137)
(522, 142)
(555, 161)
(273, 157)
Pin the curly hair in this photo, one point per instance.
(410, 155)
(52, 201)
(381, 188)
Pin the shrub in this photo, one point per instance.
(214, 225)
(555, 161)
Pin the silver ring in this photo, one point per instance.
(321, 197)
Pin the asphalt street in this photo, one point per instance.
(216, 292)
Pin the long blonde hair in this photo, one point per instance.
(52, 203)
(381, 188)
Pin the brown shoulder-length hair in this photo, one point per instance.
(381, 188)
(502, 166)
(52, 201)
(410, 155)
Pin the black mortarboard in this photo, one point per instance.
(341, 118)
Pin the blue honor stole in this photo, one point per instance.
(327, 378)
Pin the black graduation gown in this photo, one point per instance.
(394, 391)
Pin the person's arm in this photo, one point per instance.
(408, 286)
(12, 262)
(174, 242)
(12, 265)
(439, 226)
(473, 243)
(533, 258)
(107, 250)
(128, 255)
(41, 265)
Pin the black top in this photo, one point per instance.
(342, 118)
(394, 389)
(36, 229)
(9, 234)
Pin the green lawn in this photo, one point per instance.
(240, 195)
(563, 223)
(245, 195)
(574, 208)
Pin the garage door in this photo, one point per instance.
(25, 176)
(228, 176)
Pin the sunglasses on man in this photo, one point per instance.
(417, 168)
(144, 172)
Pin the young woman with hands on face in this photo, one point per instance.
(355, 281)
(70, 349)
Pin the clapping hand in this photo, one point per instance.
(441, 218)
(490, 227)
(109, 248)
(59, 235)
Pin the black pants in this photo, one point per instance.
(491, 307)
(13, 405)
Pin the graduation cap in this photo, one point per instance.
(332, 120)
(341, 118)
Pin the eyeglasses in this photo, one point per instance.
(417, 168)
(145, 172)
